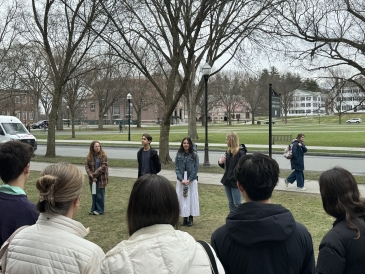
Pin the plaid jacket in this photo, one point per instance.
(101, 173)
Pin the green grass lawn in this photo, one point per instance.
(324, 134)
(109, 229)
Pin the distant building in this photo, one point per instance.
(350, 98)
(307, 103)
(18, 103)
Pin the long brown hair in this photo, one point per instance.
(341, 196)
(92, 154)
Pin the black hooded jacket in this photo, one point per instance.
(263, 238)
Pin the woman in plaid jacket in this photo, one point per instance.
(97, 170)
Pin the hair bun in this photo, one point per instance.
(45, 185)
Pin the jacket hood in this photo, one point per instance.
(255, 223)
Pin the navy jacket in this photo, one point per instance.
(263, 238)
(155, 163)
(297, 162)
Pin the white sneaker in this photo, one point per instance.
(286, 182)
(301, 188)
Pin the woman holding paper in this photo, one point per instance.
(186, 168)
(97, 170)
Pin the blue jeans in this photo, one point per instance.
(296, 175)
(234, 197)
(98, 199)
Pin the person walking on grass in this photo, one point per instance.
(147, 157)
(297, 163)
(261, 237)
(186, 168)
(16, 210)
(97, 170)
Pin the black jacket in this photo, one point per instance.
(231, 162)
(155, 163)
(263, 238)
(340, 252)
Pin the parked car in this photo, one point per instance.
(354, 120)
(40, 124)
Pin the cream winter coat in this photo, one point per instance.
(53, 245)
(159, 249)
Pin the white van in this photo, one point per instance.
(11, 128)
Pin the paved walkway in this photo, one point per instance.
(204, 178)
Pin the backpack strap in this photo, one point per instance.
(213, 264)
(4, 248)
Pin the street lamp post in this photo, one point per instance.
(129, 97)
(206, 73)
(68, 116)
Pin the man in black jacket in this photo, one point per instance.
(147, 157)
(260, 237)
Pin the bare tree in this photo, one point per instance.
(324, 34)
(252, 94)
(286, 86)
(63, 29)
(229, 92)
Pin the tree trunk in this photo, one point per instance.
(165, 140)
(192, 131)
(139, 116)
(100, 122)
(51, 137)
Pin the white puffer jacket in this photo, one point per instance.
(53, 245)
(159, 249)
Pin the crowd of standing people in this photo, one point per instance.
(257, 237)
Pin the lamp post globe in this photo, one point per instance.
(129, 97)
(206, 73)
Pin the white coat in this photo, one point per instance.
(53, 245)
(159, 249)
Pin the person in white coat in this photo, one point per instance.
(155, 246)
(55, 244)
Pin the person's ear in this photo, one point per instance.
(240, 187)
(77, 201)
(26, 170)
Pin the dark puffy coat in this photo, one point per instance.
(340, 252)
(297, 162)
(263, 238)
(155, 163)
(231, 162)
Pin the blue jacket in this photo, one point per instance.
(297, 162)
(186, 162)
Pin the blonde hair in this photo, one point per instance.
(59, 185)
(233, 141)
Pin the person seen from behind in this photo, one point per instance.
(55, 244)
(16, 210)
(186, 168)
(97, 170)
(342, 249)
(155, 246)
(228, 161)
(297, 163)
(147, 157)
(261, 237)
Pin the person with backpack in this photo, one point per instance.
(297, 163)
(228, 161)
